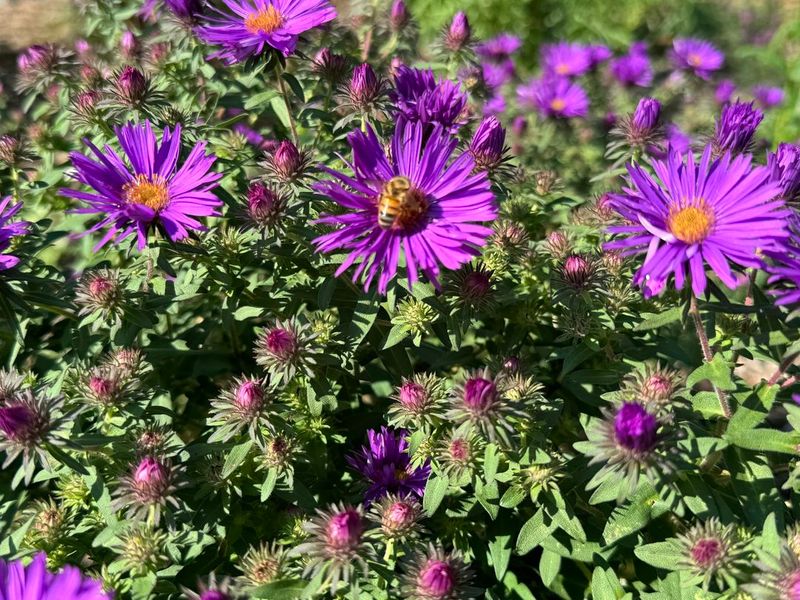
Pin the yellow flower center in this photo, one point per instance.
(401, 474)
(151, 192)
(694, 59)
(691, 224)
(562, 68)
(557, 104)
(264, 21)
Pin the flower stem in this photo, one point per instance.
(708, 354)
(284, 93)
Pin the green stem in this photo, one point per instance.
(708, 354)
(284, 93)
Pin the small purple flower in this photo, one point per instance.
(724, 91)
(565, 59)
(420, 98)
(699, 56)
(488, 144)
(458, 34)
(785, 166)
(677, 140)
(555, 97)
(253, 26)
(153, 191)
(702, 214)
(499, 48)
(386, 465)
(35, 582)
(186, 11)
(443, 204)
(496, 75)
(399, 16)
(634, 428)
(496, 105)
(646, 115)
(736, 128)
(633, 69)
(598, 53)
(768, 96)
(9, 230)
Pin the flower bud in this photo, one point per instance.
(724, 91)
(545, 182)
(36, 60)
(329, 65)
(458, 34)
(634, 428)
(85, 103)
(436, 580)
(476, 285)
(151, 479)
(11, 150)
(365, 87)
(278, 452)
(344, 530)
(131, 86)
(104, 388)
(82, 47)
(262, 564)
(249, 396)
(784, 165)
(99, 290)
(488, 144)
(398, 516)
(129, 45)
(158, 52)
(187, 12)
(399, 16)
(287, 163)
(736, 128)
(265, 206)
(480, 395)
(647, 114)
(16, 421)
(577, 272)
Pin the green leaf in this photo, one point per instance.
(269, 484)
(363, 318)
(664, 555)
(534, 532)
(718, 372)
(259, 99)
(288, 589)
(435, 491)
(606, 585)
(236, 457)
(396, 335)
(491, 460)
(656, 320)
(632, 517)
(765, 440)
(513, 496)
(279, 106)
(500, 553)
(247, 312)
(549, 566)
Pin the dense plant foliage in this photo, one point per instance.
(292, 308)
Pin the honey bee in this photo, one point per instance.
(399, 204)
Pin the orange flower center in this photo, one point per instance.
(694, 59)
(151, 192)
(558, 104)
(401, 474)
(264, 21)
(691, 224)
(562, 68)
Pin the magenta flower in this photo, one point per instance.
(35, 582)
(496, 75)
(768, 96)
(9, 230)
(785, 166)
(633, 69)
(736, 128)
(785, 275)
(699, 56)
(635, 428)
(419, 97)
(598, 53)
(254, 26)
(724, 91)
(437, 223)
(555, 97)
(565, 59)
(499, 48)
(386, 465)
(709, 213)
(152, 191)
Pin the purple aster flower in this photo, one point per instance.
(724, 91)
(712, 213)
(785, 274)
(421, 98)
(635, 428)
(386, 464)
(435, 220)
(598, 53)
(565, 59)
(254, 26)
(699, 56)
(736, 128)
(35, 582)
(768, 96)
(677, 140)
(499, 48)
(496, 105)
(9, 230)
(153, 191)
(632, 69)
(186, 11)
(496, 75)
(785, 166)
(555, 97)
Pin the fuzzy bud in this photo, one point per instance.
(151, 479)
(458, 34)
(365, 87)
(329, 65)
(17, 422)
(287, 163)
(249, 397)
(488, 144)
(736, 128)
(399, 16)
(36, 60)
(577, 271)
(129, 45)
(344, 529)
(86, 102)
(280, 343)
(11, 149)
(480, 395)
(131, 86)
(437, 580)
(647, 114)
(265, 206)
